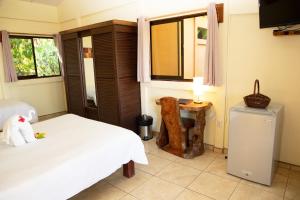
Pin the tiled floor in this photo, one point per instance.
(50, 116)
(169, 177)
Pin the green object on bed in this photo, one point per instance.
(40, 135)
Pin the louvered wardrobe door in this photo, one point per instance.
(128, 86)
(73, 74)
(106, 83)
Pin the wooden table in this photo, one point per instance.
(196, 146)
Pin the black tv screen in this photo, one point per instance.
(274, 13)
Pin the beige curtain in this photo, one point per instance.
(143, 62)
(58, 44)
(212, 68)
(9, 66)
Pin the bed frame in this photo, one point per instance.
(128, 169)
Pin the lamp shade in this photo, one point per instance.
(198, 86)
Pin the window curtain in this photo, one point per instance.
(143, 62)
(9, 66)
(212, 69)
(58, 44)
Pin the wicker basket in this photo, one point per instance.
(257, 100)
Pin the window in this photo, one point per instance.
(34, 57)
(178, 47)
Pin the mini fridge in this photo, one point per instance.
(254, 142)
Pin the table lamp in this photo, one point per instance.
(198, 89)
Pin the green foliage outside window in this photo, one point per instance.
(35, 57)
(46, 57)
(23, 56)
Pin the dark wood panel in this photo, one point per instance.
(115, 63)
(104, 55)
(75, 100)
(73, 74)
(126, 53)
(69, 36)
(92, 113)
(71, 56)
(286, 32)
(126, 29)
(107, 99)
(100, 25)
(129, 100)
(106, 29)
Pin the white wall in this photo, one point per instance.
(275, 62)
(46, 95)
(247, 52)
(200, 48)
(75, 13)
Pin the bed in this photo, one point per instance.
(9, 108)
(76, 153)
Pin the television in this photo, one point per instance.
(275, 13)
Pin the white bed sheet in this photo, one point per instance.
(75, 154)
(9, 108)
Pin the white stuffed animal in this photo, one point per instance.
(17, 130)
(12, 133)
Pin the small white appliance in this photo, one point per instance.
(254, 137)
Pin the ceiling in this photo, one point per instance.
(47, 2)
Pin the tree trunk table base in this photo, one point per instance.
(195, 146)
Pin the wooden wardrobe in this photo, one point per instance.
(115, 68)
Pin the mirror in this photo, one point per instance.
(88, 65)
(178, 47)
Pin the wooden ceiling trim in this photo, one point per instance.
(220, 12)
(98, 25)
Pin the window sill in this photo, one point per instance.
(38, 81)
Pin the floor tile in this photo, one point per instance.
(219, 167)
(292, 192)
(128, 197)
(213, 186)
(199, 162)
(202, 178)
(100, 191)
(248, 192)
(278, 185)
(253, 184)
(282, 171)
(295, 168)
(179, 174)
(128, 184)
(190, 195)
(156, 164)
(294, 178)
(221, 155)
(152, 148)
(157, 189)
(149, 145)
(163, 154)
(293, 186)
